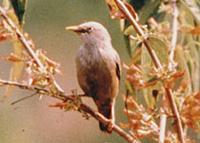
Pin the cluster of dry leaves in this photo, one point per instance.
(147, 82)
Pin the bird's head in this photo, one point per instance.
(91, 32)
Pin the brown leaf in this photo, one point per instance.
(14, 58)
(195, 31)
(60, 105)
(190, 111)
(135, 77)
(132, 11)
(178, 74)
(191, 30)
(172, 77)
(51, 66)
(140, 121)
(115, 12)
(5, 36)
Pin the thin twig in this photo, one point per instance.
(157, 64)
(163, 120)
(23, 98)
(174, 35)
(176, 114)
(21, 85)
(172, 67)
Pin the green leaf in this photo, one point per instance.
(19, 7)
(193, 7)
(149, 9)
(160, 47)
(129, 30)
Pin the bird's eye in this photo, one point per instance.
(89, 29)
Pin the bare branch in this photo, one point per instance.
(22, 86)
(176, 114)
(163, 120)
(24, 98)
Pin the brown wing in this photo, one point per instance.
(118, 66)
(118, 70)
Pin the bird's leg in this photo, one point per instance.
(112, 120)
(110, 125)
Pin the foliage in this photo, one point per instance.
(162, 80)
(145, 81)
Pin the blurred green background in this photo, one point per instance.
(32, 121)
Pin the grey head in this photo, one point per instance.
(91, 32)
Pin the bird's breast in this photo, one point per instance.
(94, 74)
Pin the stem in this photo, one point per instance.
(163, 120)
(174, 35)
(23, 98)
(176, 114)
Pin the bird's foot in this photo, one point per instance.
(110, 126)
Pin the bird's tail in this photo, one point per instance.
(108, 111)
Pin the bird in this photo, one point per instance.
(98, 68)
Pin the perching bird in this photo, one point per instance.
(98, 68)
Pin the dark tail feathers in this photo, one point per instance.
(106, 110)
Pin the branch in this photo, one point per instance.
(157, 64)
(174, 35)
(163, 120)
(172, 67)
(82, 107)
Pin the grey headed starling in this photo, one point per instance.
(98, 68)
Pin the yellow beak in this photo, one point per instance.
(73, 28)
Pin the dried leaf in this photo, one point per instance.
(5, 36)
(195, 31)
(190, 111)
(191, 30)
(140, 122)
(115, 11)
(50, 65)
(14, 58)
(60, 105)
(172, 77)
